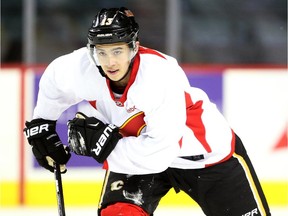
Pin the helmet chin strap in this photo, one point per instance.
(92, 57)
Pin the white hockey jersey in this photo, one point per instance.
(164, 122)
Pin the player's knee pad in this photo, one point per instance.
(125, 209)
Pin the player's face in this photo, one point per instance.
(114, 59)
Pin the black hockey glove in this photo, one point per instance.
(42, 136)
(89, 136)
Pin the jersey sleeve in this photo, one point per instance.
(56, 88)
(165, 114)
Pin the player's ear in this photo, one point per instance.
(137, 44)
(135, 49)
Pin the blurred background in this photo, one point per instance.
(194, 31)
(236, 51)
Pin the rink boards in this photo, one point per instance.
(253, 99)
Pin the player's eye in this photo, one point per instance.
(101, 53)
(117, 52)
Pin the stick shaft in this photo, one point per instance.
(59, 190)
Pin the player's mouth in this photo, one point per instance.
(112, 72)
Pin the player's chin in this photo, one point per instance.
(114, 77)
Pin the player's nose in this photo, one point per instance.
(111, 61)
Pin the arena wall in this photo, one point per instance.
(252, 98)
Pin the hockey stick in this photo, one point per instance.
(58, 184)
(59, 190)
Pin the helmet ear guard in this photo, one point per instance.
(92, 54)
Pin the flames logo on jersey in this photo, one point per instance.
(134, 125)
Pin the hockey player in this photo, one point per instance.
(155, 133)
